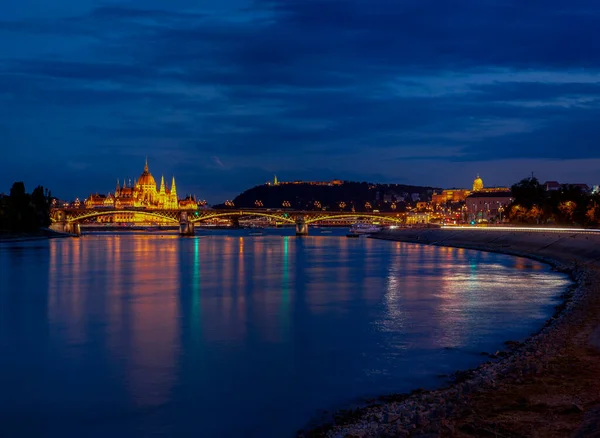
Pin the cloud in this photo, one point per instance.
(217, 161)
(276, 82)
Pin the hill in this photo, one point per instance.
(335, 195)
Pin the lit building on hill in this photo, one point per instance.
(451, 195)
(479, 187)
(460, 195)
(477, 184)
(277, 182)
(143, 193)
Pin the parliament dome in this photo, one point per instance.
(146, 178)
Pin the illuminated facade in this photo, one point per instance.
(478, 187)
(143, 193)
(452, 195)
(487, 205)
(477, 184)
(460, 195)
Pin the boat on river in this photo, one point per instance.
(364, 229)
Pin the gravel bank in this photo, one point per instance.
(547, 386)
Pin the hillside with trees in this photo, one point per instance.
(337, 196)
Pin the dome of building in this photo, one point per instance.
(477, 184)
(146, 177)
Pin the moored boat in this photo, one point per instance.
(361, 228)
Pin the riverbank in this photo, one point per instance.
(546, 386)
(41, 234)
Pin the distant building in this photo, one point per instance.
(450, 195)
(552, 185)
(460, 195)
(584, 187)
(555, 185)
(142, 193)
(479, 187)
(484, 205)
(335, 182)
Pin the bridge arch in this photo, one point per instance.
(93, 214)
(239, 213)
(382, 218)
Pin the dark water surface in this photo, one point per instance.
(237, 335)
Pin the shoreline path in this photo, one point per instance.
(547, 386)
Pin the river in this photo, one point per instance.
(229, 335)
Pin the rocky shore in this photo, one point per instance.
(547, 386)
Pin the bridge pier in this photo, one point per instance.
(186, 227)
(66, 227)
(63, 226)
(73, 228)
(301, 226)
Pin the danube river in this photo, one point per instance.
(230, 335)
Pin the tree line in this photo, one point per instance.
(22, 212)
(569, 205)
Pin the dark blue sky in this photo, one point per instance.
(416, 91)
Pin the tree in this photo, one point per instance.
(528, 192)
(516, 213)
(19, 212)
(41, 200)
(22, 212)
(534, 215)
(567, 210)
(568, 205)
(593, 210)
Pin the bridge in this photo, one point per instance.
(70, 219)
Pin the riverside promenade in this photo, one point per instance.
(547, 386)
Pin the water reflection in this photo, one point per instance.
(123, 293)
(155, 334)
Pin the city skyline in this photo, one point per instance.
(226, 96)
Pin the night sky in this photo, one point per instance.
(225, 94)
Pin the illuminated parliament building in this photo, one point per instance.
(143, 193)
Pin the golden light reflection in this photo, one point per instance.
(132, 283)
(66, 264)
(245, 288)
(152, 332)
